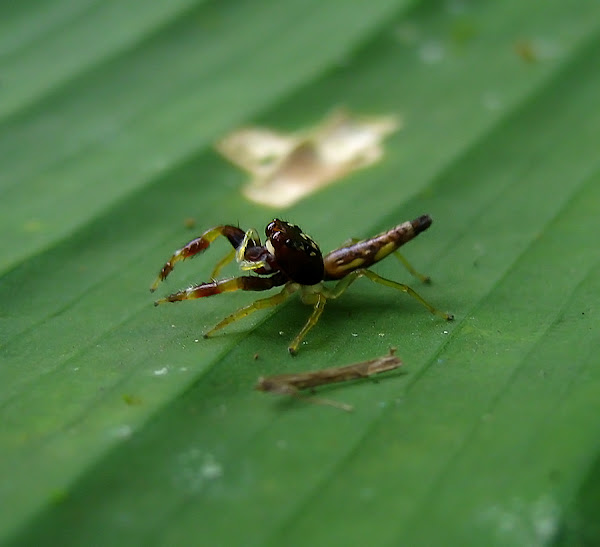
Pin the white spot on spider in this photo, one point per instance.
(161, 371)
(270, 247)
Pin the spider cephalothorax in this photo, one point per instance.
(292, 259)
(296, 254)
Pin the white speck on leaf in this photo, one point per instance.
(122, 431)
(195, 468)
(432, 52)
(523, 522)
(211, 469)
(491, 101)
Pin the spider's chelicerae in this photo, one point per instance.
(291, 259)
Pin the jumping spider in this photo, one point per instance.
(292, 259)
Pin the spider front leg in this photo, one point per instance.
(234, 234)
(224, 285)
(342, 285)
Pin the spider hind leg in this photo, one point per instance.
(344, 283)
(319, 297)
(411, 269)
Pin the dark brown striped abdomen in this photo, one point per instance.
(340, 262)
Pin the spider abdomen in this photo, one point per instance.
(362, 254)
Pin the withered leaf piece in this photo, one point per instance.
(292, 384)
(286, 168)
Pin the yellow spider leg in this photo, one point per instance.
(353, 276)
(261, 304)
(410, 268)
(408, 290)
(342, 285)
(222, 263)
(318, 308)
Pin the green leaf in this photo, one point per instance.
(120, 422)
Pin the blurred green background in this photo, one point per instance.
(122, 426)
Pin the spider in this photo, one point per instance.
(291, 259)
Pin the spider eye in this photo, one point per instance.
(271, 227)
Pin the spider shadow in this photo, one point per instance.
(361, 308)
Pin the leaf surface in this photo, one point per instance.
(120, 422)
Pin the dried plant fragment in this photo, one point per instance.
(286, 168)
(292, 384)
